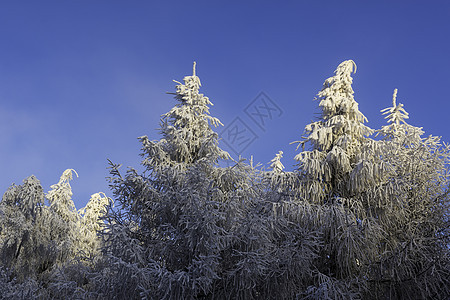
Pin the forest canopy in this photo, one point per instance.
(363, 215)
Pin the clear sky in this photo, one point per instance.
(81, 80)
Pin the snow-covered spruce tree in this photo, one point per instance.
(172, 233)
(25, 250)
(275, 164)
(90, 223)
(414, 252)
(340, 147)
(334, 184)
(63, 218)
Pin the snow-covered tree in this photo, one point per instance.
(340, 150)
(90, 224)
(25, 250)
(334, 183)
(414, 252)
(63, 217)
(275, 164)
(187, 135)
(173, 221)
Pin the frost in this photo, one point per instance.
(340, 135)
(358, 218)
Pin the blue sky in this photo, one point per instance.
(81, 80)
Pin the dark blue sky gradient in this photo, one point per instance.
(81, 80)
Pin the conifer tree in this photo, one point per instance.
(173, 222)
(63, 216)
(334, 181)
(25, 250)
(339, 144)
(414, 251)
(90, 224)
(187, 135)
(275, 164)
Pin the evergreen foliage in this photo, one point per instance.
(364, 215)
(415, 245)
(178, 220)
(40, 242)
